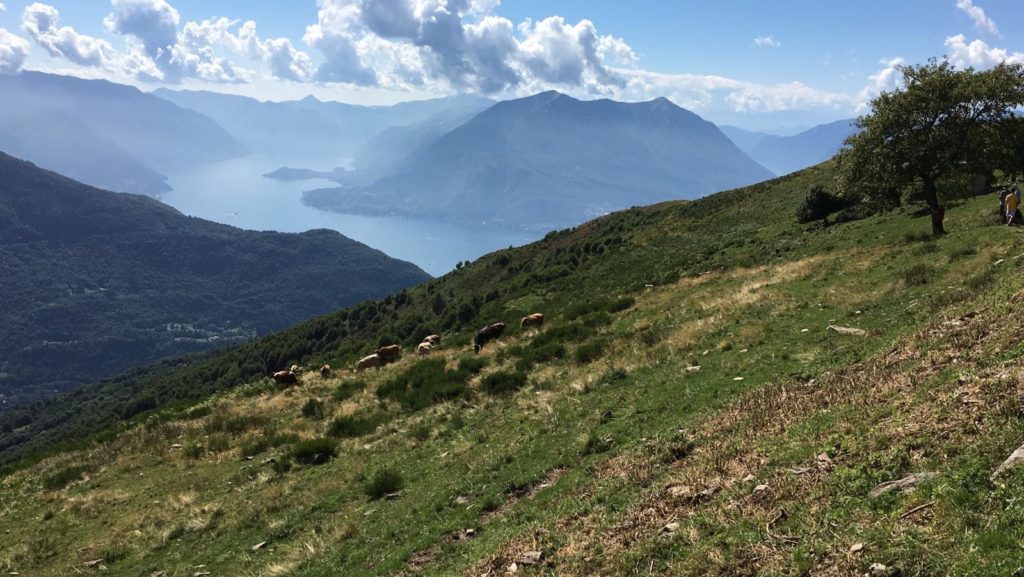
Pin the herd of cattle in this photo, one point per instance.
(391, 353)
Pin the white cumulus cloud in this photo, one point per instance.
(2, 7)
(978, 54)
(767, 41)
(460, 45)
(716, 94)
(981, 20)
(888, 78)
(42, 23)
(13, 52)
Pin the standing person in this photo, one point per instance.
(1015, 189)
(1012, 201)
(1003, 193)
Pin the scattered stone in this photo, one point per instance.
(749, 479)
(1000, 261)
(800, 470)
(881, 570)
(1018, 573)
(805, 330)
(93, 563)
(370, 512)
(530, 558)
(460, 500)
(259, 545)
(737, 378)
(678, 491)
(693, 368)
(1013, 461)
(470, 533)
(744, 350)
(824, 462)
(848, 330)
(857, 548)
(158, 574)
(904, 484)
(761, 488)
(706, 494)
(513, 568)
(176, 446)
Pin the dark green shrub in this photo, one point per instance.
(233, 424)
(64, 477)
(347, 388)
(384, 482)
(264, 442)
(917, 275)
(426, 383)
(193, 450)
(315, 451)
(503, 382)
(472, 365)
(590, 351)
(594, 444)
(534, 354)
(818, 205)
(351, 426)
(313, 409)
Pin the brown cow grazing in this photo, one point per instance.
(285, 377)
(368, 362)
(534, 320)
(325, 372)
(423, 348)
(434, 340)
(390, 353)
(487, 334)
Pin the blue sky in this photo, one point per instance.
(754, 64)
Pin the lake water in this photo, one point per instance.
(235, 192)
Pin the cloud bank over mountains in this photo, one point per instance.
(429, 46)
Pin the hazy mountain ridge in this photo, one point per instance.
(550, 160)
(107, 134)
(786, 154)
(308, 129)
(98, 282)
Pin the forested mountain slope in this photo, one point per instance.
(96, 282)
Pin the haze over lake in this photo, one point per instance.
(235, 192)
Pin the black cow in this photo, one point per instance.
(487, 334)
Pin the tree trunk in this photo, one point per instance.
(931, 197)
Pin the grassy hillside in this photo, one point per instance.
(685, 410)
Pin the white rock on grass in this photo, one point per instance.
(1012, 462)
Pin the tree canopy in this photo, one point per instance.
(943, 122)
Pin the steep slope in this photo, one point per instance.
(551, 160)
(98, 282)
(61, 143)
(746, 140)
(684, 410)
(158, 134)
(785, 154)
(397, 145)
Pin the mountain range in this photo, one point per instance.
(785, 154)
(105, 134)
(96, 282)
(310, 129)
(550, 160)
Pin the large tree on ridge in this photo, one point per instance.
(943, 122)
